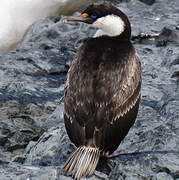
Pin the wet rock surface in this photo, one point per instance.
(156, 165)
(33, 141)
(148, 2)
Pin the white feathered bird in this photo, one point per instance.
(17, 15)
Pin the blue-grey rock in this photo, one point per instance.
(33, 140)
(167, 35)
(148, 2)
(147, 165)
(32, 80)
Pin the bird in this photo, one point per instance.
(102, 90)
(17, 15)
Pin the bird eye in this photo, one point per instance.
(93, 16)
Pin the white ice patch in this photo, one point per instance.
(110, 25)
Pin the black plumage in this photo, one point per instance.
(102, 95)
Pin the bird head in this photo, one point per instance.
(106, 17)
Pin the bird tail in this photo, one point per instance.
(82, 162)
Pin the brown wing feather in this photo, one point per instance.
(122, 89)
(99, 91)
(128, 94)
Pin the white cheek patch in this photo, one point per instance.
(112, 25)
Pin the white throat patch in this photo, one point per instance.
(111, 25)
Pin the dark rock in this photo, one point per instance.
(19, 172)
(32, 79)
(175, 74)
(16, 128)
(55, 118)
(19, 159)
(167, 34)
(148, 2)
(175, 62)
(148, 165)
(5, 157)
(52, 148)
(144, 38)
(175, 68)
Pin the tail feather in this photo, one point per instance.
(82, 162)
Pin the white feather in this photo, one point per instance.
(110, 25)
(17, 15)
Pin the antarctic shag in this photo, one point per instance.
(102, 91)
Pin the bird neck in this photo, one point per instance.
(113, 26)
